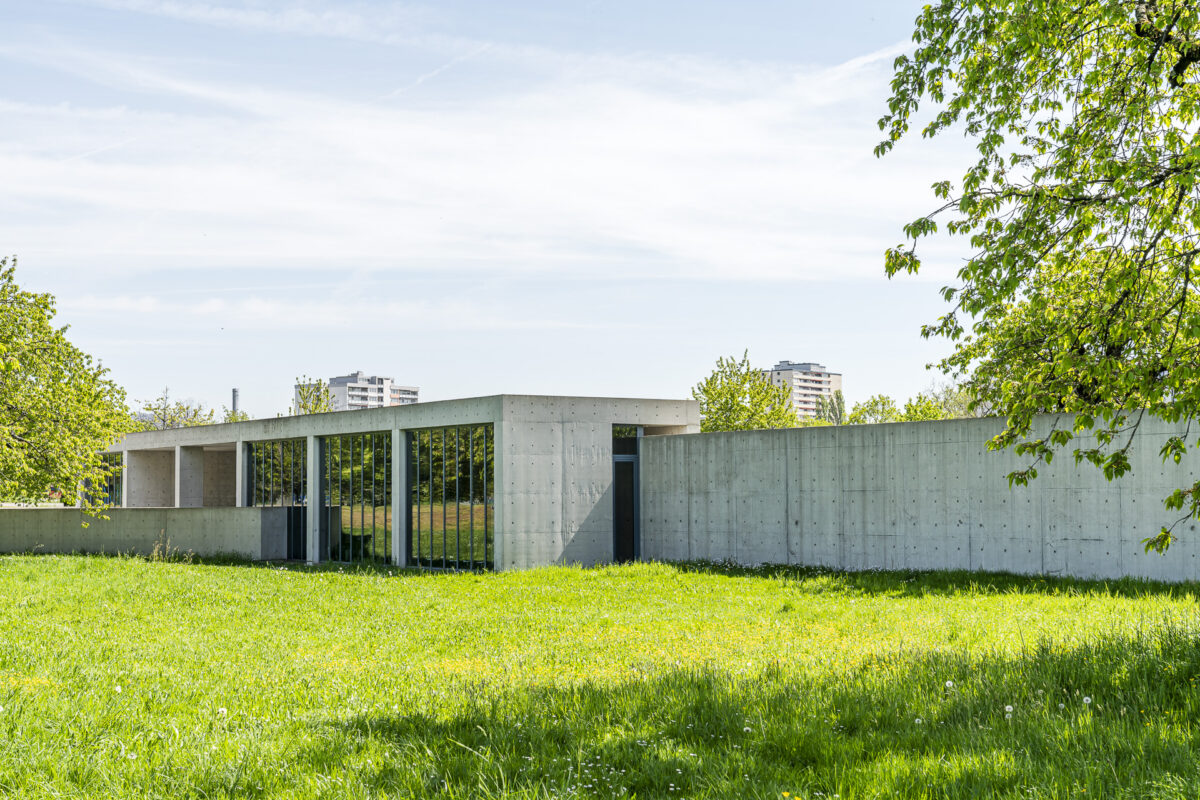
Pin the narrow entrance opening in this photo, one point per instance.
(626, 546)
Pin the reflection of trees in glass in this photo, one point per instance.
(279, 472)
(453, 477)
(105, 489)
(358, 487)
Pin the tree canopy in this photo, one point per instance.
(831, 408)
(312, 397)
(738, 397)
(877, 408)
(58, 407)
(1082, 213)
(162, 414)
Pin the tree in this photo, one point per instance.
(161, 414)
(1082, 212)
(832, 409)
(312, 397)
(878, 408)
(957, 402)
(229, 415)
(923, 407)
(58, 408)
(738, 397)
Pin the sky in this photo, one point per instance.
(578, 198)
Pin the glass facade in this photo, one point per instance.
(278, 476)
(451, 485)
(356, 486)
(109, 493)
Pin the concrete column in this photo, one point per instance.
(240, 473)
(499, 490)
(124, 478)
(400, 499)
(189, 477)
(315, 498)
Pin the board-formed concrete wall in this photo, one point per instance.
(919, 495)
(255, 533)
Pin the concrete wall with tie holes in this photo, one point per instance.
(916, 495)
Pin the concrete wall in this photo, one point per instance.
(554, 471)
(150, 478)
(189, 477)
(256, 533)
(924, 495)
(220, 470)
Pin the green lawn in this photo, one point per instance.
(128, 678)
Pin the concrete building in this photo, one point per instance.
(501, 482)
(514, 481)
(807, 381)
(359, 390)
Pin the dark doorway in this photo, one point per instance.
(625, 493)
(297, 533)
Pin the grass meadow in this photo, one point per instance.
(128, 678)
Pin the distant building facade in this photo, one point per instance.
(807, 381)
(359, 390)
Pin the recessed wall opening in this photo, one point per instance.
(278, 477)
(356, 517)
(452, 485)
(626, 545)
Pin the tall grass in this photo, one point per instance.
(132, 678)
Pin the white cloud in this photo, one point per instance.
(388, 23)
(256, 312)
(604, 166)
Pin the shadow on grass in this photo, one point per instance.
(892, 728)
(946, 582)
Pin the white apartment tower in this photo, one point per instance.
(807, 381)
(358, 390)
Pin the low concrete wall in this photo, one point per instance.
(923, 495)
(255, 533)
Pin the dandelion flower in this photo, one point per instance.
(1087, 700)
(1008, 716)
(918, 720)
(949, 684)
(1008, 709)
(745, 730)
(117, 688)
(222, 711)
(1061, 706)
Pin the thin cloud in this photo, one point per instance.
(388, 25)
(483, 48)
(265, 313)
(605, 168)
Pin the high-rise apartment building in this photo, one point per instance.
(807, 382)
(359, 390)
